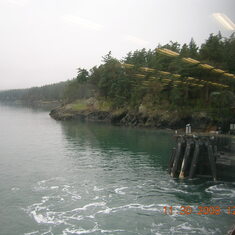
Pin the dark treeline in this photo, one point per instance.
(45, 93)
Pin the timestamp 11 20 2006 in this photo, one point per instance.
(198, 210)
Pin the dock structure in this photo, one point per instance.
(201, 155)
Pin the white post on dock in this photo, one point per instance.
(232, 126)
(188, 129)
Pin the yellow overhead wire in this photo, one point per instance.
(139, 75)
(146, 69)
(218, 71)
(191, 61)
(166, 80)
(128, 65)
(229, 75)
(206, 66)
(177, 76)
(164, 73)
(168, 52)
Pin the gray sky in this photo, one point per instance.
(44, 41)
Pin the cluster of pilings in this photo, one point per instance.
(194, 156)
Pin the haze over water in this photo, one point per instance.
(80, 178)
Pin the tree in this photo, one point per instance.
(82, 76)
(229, 53)
(193, 49)
(213, 50)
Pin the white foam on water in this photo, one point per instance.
(15, 189)
(141, 207)
(75, 217)
(218, 187)
(187, 228)
(73, 193)
(39, 218)
(31, 233)
(106, 211)
(67, 186)
(48, 232)
(54, 187)
(175, 190)
(89, 231)
(51, 179)
(76, 197)
(120, 190)
(45, 185)
(37, 206)
(96, 189)
(79, 231)
(162, 205)
(95, 204)
(46, 219)
(42, 182)
(40, 188)
(42, 214)
(220, 191)
(111, 231)
(65, 195)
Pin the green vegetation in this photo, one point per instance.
(150, 80)
(79, 105)
(147, 81)
(90, 104)
(53, 92)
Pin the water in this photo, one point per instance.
(78, 178)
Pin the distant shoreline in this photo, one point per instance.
(49, 104)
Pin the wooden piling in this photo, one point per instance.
(212, 160)
(186, 158)
(178, 156)
(195, 159)
(170, 164)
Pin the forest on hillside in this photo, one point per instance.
(193, 78)
(171, 77)
(52, 92)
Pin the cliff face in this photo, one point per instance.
(139, 118)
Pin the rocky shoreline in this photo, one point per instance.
(161, 119)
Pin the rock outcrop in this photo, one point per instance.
(160, 119)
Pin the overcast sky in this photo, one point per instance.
(44, 41)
